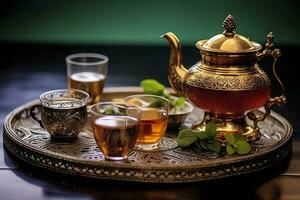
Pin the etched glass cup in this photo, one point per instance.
(63, 113)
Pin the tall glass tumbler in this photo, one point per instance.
(87, 72)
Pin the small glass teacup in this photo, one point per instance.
(115, 128)
(154, 119)
(63, 113)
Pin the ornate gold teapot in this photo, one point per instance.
(227, 83)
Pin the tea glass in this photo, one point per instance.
(63, 113)
(87, 72)
(154, 119)
(115, 128)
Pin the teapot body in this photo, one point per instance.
(226, 90)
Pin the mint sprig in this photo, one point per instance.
(236, 143)
(207, 141)
(186, 137)
(110, 110)
(151, 86)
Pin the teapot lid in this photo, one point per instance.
(228, 41)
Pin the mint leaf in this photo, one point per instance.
(230, 138)
(230, 150)
(202, 135)
(239, 137)
(170, 98)
(203, 145)
(180, 101)
(214, 146)
(109, 111)
(151, 86)
(156, 104)
(198, 145)
(211, 130)
(243, 147)
(186, 137)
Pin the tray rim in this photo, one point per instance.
(9, 133)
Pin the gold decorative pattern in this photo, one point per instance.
(227, 79)
(175, 80)
(25, 139)
(177, 71)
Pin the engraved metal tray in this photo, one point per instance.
(24, 138)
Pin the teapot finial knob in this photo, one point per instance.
(229, 26)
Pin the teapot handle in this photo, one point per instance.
(279, 100)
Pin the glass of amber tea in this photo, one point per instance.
(154, 119)
(87, 72)
(63, 113)
(115, 128)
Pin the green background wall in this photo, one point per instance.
(141, 22)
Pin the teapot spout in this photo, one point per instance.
(177, 71)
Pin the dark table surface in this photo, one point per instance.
(28, 70)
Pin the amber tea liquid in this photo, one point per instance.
(90, 82)
(115, 135)
(152, 126)
(227, 102)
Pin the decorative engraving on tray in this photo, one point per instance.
(85, 147)
(82, 157)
